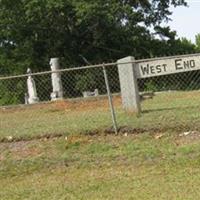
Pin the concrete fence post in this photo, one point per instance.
(56, 80)
(128, 84)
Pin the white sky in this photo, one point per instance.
(186, 20)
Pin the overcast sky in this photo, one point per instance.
(186, 20)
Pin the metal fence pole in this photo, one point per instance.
(110, 101)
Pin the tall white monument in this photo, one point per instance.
(32, 92)
(56, 80)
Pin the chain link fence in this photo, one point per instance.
(84, 105)
(88, 105)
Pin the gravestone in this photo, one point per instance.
(91, 94)
(56, 80)
(32, 92)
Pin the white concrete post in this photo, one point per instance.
(56, 80)
(128, 84)
(32, 92)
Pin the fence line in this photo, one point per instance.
(61, 70)
(165, 57)
(95, 66)
(158, 110)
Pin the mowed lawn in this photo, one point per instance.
(162, 161)
(144, 166)
(170, 110)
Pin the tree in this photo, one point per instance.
(197, 42)
(186, 45)
(80, 32)
(32, 31)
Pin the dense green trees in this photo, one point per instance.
(32, 31)
(82, 32)
(198, 42)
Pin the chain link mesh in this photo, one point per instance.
(169, 101)
(83, 108)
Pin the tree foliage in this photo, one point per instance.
(83, 32)
(197, 42)
(32, 31)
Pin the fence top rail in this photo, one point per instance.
(60, 70)
(166, 57)
(96, 66)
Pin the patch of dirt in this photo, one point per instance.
(66, 105)
(19, 150)
(26, 152)
(37, 137)
(2, 158)
(77, 139)
(123, 130)
(190, 137)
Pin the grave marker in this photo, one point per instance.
(32, 92)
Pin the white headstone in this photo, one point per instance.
(56, 80)
(91, 94)
(32, 92)
(96, 92)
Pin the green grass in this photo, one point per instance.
(101, 167)
(28, 123)
(172, 110)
